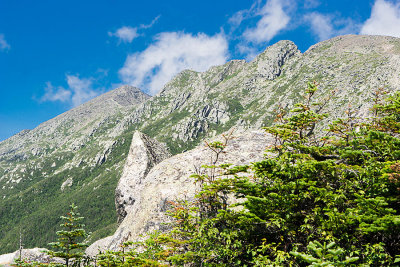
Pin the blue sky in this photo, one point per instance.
(55, 55)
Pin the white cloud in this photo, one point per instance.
(326, 26)
(271, 17)
(321, 25)
(125, 34)
(273, 20)
(146, 26)
(384, 20)
(236, 19)
(3, 43)
(250, 52)
(79, 91)
(55, 94)
(308, 4)
(171, 53)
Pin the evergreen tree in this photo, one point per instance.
(69, 245)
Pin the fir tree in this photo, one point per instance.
(69, 244)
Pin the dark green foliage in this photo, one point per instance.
(33, 208)
(153, 253)
(69, 245)
(324, 255)
(26, 263)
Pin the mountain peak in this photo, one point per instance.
(81, 121)
(270, 62)
(363, 44)
(125, 95)
(278, 49)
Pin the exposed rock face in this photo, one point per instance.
(144, 154)
(271, 61)
(100, 245)
(67, 182)
(30, 255)
(169, 181)
(6, 259)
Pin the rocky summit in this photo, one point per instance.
(119, 156)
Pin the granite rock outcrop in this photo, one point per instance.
(170, 180)
(144, 154)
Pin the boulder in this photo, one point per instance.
(29, 255)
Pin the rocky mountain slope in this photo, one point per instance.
(64, 160)
(79, 155)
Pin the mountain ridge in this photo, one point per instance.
(191, 107)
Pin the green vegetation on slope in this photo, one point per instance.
(32, 209)
(320, 201)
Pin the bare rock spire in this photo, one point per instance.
(144, 154)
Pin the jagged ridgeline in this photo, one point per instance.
(78, 156)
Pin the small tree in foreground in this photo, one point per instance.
(69, 244)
